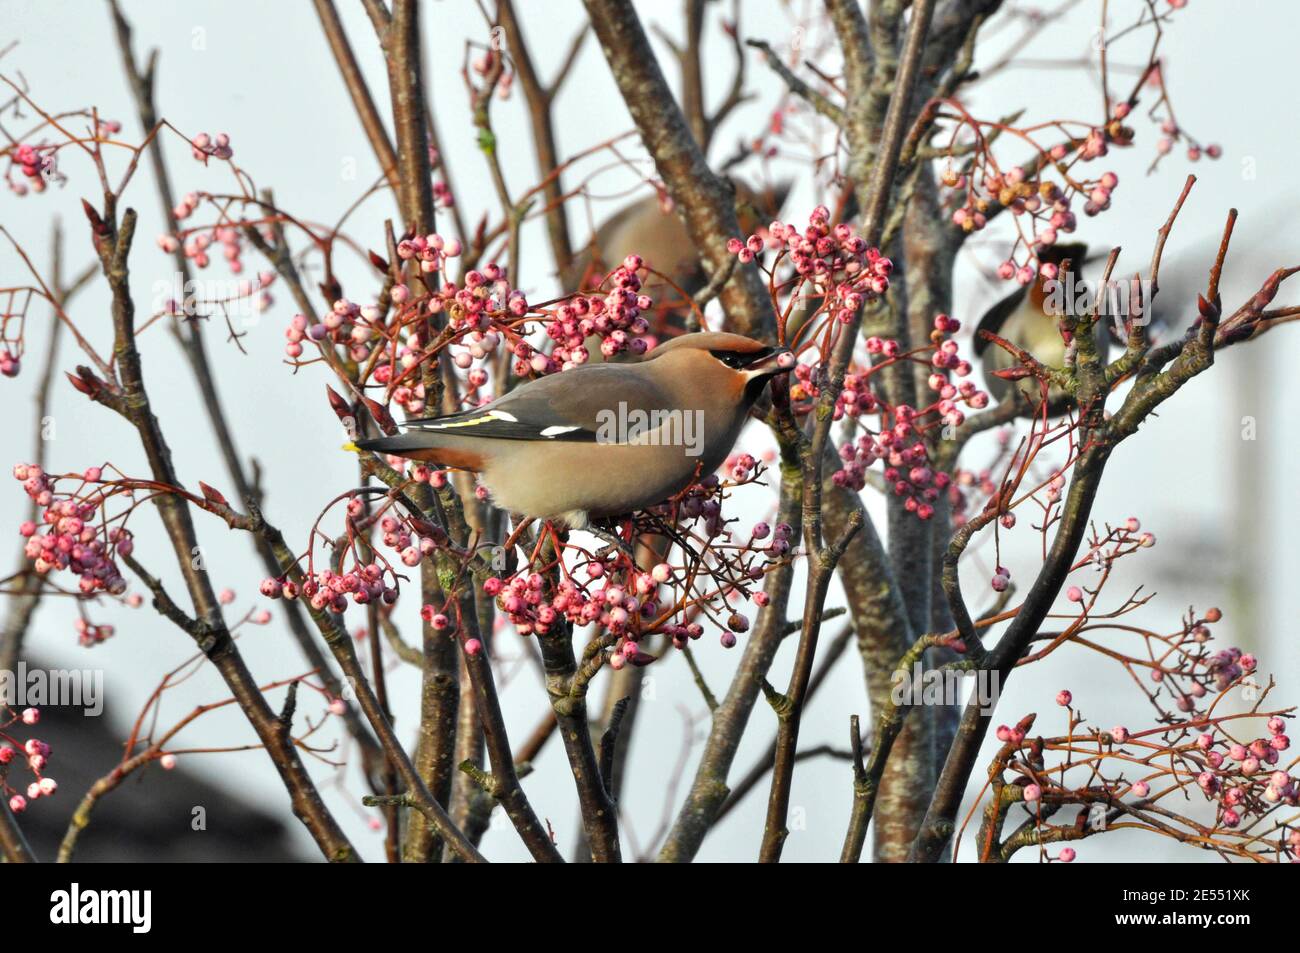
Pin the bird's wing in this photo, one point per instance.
(996, 316)
(569, 406)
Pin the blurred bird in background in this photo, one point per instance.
(1029, 318)
(649, 227)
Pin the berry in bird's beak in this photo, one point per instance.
(776, 361)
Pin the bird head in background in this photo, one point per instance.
(1029, 318)
(756, 209)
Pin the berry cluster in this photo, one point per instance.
(364, 582)
(1172, 134)
(180, 211)
(607, 601)
(346, 324)
(204, 147)
(36, 165)
(616, 318)
(834, 258)
(900, 441)
(483, 311)
(89, 634)
(432, 252)
(70, 540)
(1048, 207)
(335, 591)
(1227, 665)
(624, 603)
(34, 752)
(442, 196)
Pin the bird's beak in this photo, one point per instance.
(769, 363)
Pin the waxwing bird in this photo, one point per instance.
(603, 440)
(1029, 318)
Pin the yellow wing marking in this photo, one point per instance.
(486, 418)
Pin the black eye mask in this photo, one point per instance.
(742, 359)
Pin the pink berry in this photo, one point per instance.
(1067, 855)
(473, 647)
(168, 762)
(1063, 698)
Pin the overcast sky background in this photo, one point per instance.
(1223, 508)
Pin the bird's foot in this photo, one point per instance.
(616, 543)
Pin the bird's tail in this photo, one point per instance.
(439, 449)
(395, 445)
